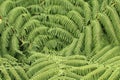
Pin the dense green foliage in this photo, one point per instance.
(59, 39)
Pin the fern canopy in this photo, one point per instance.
(59, 39)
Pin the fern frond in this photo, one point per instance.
(76, 57)
(87, 13)
(15, 12)
(70, 48)
(14, 47)
(88, 40)
(68, 24)
(72, 75)
(21, 20)
(112, 60)
(13, 72)
(95, 8)
(55, 9)
(34, 9)
(76, 63)
(115, 75)
(79, 45)
(6, 34)
(32, 70)
(5, 7)
(106, 74)
(79, 3)
(101, 52)
(105, 21)
(67, 5)
(109, 54)
(77, 18)
(117, 6)
(61, 34)
(113, 15)
(42, 30)
(5, 73)
(63, 78)
(83, 70)
(29, 26)
(21, 73)
(46, 68)
(94, 75)
(45, 75)
(98, 36)
(39, 42)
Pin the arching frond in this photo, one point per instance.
(105, 21)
